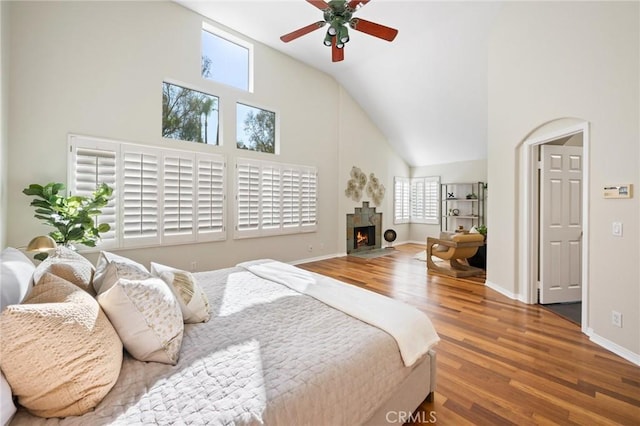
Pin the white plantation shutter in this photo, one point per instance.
(211, 197)
(309, 198)
(140, 189)
(290, 197)
(424, 200)
(91, 163)
(247, 196)
(274, 198)
(401, 200)
(179, 196)
(161, 196)
(270, 197)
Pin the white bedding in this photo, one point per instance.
(269, 355)
(411, 328)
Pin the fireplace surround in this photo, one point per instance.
(368, 222)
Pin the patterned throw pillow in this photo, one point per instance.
(193, 301)
(66, 263)
(58, 350)
(105, 259)
(144, 312)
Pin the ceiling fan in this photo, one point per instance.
(338, 14)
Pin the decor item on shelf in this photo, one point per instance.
(73, 217)
(41, 246)
(450, 195)
(375, 189)
(472, 196)
(390, 236)
(356, 184)
(338, 14)
(455, 212)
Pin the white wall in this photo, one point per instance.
(461, 171)
(549, 60)
(362, 145)
(4, 118)
(96, 68)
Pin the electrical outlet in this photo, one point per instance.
(616, 318)
(310, 248)
(194, 266)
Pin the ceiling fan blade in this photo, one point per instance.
(337, 55)
(320, 4)
(353, 4)
(302, 31)
(371, 28)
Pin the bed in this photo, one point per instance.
(274, 353)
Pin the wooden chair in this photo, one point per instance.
(459, 246)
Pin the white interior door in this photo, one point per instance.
(560, 224)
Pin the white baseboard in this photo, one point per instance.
(318, 258)
(501, 290)
(614, 347)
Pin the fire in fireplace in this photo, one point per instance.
(364, 236)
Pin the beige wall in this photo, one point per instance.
(4, 118)
(549, 60)
(96, 68)
(461, 171)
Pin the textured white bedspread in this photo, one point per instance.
(411, 328)
(269, 355)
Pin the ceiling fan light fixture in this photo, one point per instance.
(343, 34)
(327, 39)
(332, 31)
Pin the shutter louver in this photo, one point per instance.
(270, 197)
(290, 197)
(140, 198)
(91, 167)
(308, 198)
(178, 196)
(248, 196)
(211, 197)
(401, 200)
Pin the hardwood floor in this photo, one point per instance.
(500, 361)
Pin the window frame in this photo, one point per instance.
(276, 127)
(120, 149)
(206, 26)
(422, 191)
(303, 209)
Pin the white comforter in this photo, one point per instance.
(269, 355)
(411, 328)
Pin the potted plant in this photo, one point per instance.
(73, 217)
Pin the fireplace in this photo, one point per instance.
(364, 229)
(364, 236)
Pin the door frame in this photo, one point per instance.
(528, 205)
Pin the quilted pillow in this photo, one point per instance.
(193, 301)
(145, 314)
(59, 352)
(105, 258)
(67, 264)
(16, 272)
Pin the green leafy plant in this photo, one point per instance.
(482, 229)
(72, 217)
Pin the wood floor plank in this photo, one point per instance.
(500, 361)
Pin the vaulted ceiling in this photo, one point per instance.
(426, 90)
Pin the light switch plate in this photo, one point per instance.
(616, 229)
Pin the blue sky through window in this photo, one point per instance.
(229, 61)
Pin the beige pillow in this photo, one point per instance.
(104, 259)
(59, 352)
(145, 314)
(66, 263)
(193, 301)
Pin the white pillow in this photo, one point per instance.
(7, 407)
(145, 314)
(104, 259)
(67, 264)
(16, 278)
(193, 301)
